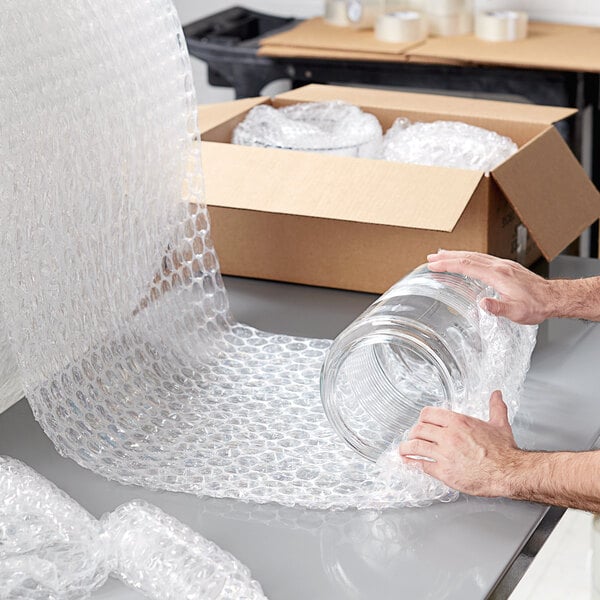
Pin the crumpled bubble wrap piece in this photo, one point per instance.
(334, 127)
(446, 144)
(52, 549)
(183, 563)
(120, 322)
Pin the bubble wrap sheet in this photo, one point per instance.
(52, 549)
(122, 333)
(446, 144)
(330, 127)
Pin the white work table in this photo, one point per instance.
(460, 550)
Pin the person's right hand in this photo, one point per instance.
(525, 297)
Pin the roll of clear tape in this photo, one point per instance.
(501, 26)
(335, 13)
(362, 14)
(447, 25)
(401, 26)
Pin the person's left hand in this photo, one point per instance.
(469, 455)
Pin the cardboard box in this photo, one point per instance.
(362, 224)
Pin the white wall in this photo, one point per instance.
(584, 12)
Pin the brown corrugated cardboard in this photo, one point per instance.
(545, 170)
(547, 46)
(301, 52)
(431, 104)
(362, 224)
(215, 114)
(318, 34)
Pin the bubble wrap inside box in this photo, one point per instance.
(328, 127)
(446, 144)
(52, 549)
(120, 323)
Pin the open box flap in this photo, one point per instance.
(334, 187)
(549, 191)
(449, 105)
(212, 115)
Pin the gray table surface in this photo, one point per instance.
(457, 550)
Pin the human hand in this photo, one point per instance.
(525, 297)
(469, 455)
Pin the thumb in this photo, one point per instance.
(494, 306)
(498, 410)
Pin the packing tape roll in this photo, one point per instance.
(446, 25)
(401, 26)
(362, 14)
(335, 13)
(501, 26)
(447, 7)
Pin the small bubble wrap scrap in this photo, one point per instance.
(331, 127)
(52, 549)
(446, 144)
(183, 563)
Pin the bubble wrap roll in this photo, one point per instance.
(120, 323)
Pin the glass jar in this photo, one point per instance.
(411, 348)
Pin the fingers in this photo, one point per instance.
(495, 307)
(427, 432)
(484, 267)
(498, 410)
(436, 416)
(471, 266)
(418, 448)
(430, 467)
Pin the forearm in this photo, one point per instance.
(575, 298)
(569, 479)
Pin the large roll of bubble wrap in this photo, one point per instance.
(118, 317)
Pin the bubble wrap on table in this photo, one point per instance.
(332, 127)
(122, 333)
(52, 549)
(446, 144)
(129, 356)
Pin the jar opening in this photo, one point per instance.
(376, 389)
